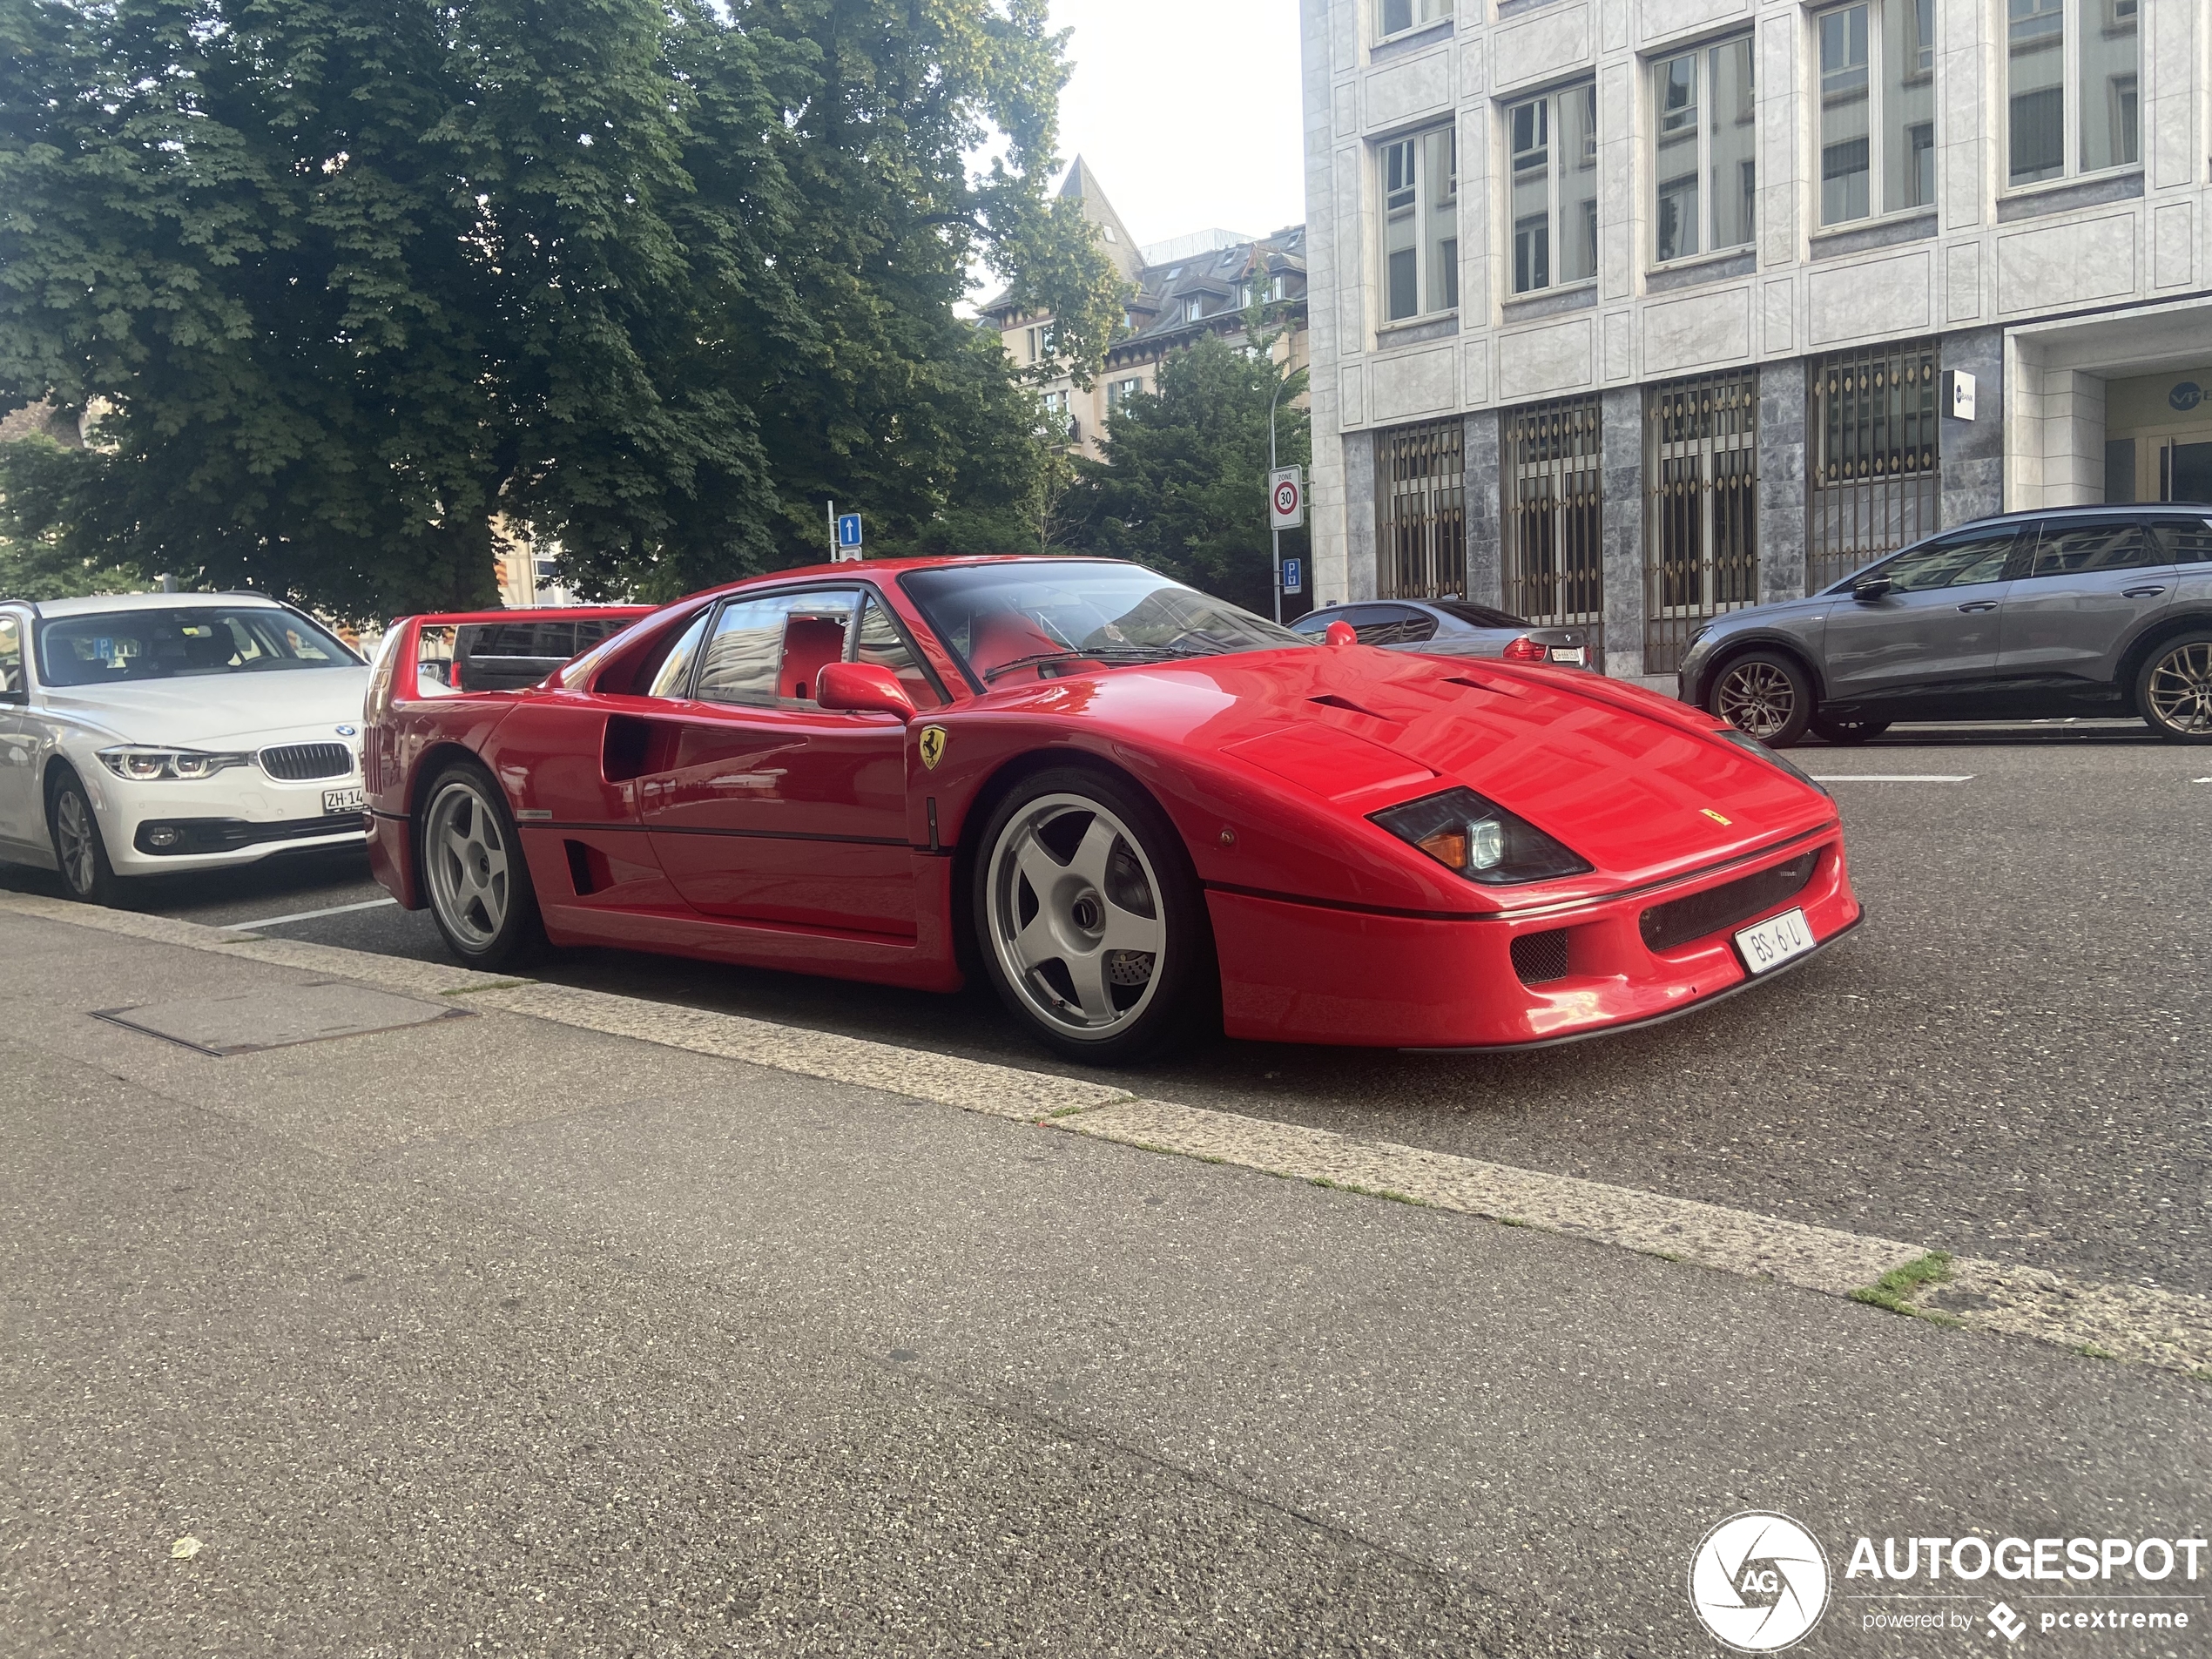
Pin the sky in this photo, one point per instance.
(1187, 111)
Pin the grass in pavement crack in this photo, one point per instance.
(1364, 1192)
(1895, 1289)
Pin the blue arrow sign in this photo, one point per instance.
(848, 530)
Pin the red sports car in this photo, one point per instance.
(1136, 808)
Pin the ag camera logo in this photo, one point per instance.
(1759, 1582)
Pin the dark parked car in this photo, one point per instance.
(2083, 610)
(1452, 628)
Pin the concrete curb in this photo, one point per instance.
(2166, 1329)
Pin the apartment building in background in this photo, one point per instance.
(1625, 312)
(1180, 291)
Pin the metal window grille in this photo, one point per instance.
(1702, 481)
(1876, 481)
(1554, 556)
(1421, 499)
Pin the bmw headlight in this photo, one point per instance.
(1746, 741)
(142, 763)
(1479, 839)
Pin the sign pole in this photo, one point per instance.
(1278, 576)
(832, 505)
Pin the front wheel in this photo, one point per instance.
(473, 867)
(79, 853)
(1092, 923)
(2173, 691)
(1764, 695)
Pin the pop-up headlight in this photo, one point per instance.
(1479, 839)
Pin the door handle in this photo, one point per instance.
(1980, 605)
(2142, 593)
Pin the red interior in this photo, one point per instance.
(811, 643)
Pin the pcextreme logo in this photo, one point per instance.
(1759, 1582)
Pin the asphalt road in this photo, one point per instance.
(2008, 1060)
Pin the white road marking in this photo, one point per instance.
(1891, 777)
(305, 916)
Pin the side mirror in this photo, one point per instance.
(1869, 589)
(1341, 633)
(862, 688)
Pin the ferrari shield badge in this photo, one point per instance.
(933, 746)
(1708, 810)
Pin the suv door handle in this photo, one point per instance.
(2140, 593)
(1980, 605)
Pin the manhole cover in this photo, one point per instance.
(277, 1018)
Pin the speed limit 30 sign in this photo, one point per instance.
(1286, 499)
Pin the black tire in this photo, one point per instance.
(1047, 943)
(472, 872)
(2173, 688)
(1764, 695)
(80, 853)
(1847, 734)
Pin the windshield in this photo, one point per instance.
(1030, 619)
(119, 646)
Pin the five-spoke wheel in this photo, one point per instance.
(2174, 692)
(479, 886)
(1088, 919)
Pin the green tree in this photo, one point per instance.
(1183, 487)
(645, 281)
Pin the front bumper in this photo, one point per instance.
(1304, 973)
(237, 817)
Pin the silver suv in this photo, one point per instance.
(2084, 610)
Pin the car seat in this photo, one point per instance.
(811, 643)
(1007, 637)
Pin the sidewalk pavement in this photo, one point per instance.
(488, 1333)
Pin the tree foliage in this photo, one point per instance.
(365, 283)
(1182, 486)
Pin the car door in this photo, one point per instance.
(763, 807)
(1930, 641)
(22, 815)
(2185, 540)
(2085, 589)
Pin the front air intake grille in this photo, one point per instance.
(1670, 925)
(295, 763)
(1541, 958)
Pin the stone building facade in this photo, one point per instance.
(1628, 311)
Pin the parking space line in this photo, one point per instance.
(1893, 777)
(304, 915)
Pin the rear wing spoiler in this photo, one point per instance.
(453, 654)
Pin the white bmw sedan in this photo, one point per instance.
(167, 731)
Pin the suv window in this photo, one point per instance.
(2081, 549)
(2184, 541)
(11, 679)
(768, 651)
(1963, 561)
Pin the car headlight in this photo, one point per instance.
(142, 763)
(1745, 740)
(1479, 839)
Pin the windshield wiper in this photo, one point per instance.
(1084, 654)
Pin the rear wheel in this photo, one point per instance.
(79, 853)
(473, 869)
(1845, 733)
(2173, 691)
(1092, 924)
(1764, 695)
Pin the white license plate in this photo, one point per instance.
(1575, 654)
(1774, 941)
(344, 800)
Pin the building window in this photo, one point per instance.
(1701, 471)
(1059, 423)
(1042, 341)
(1877, 108)
(1421, 474)
(1554, 558)
(1553, 140)
(1396, 17)
(1118, 393)
(1704, 171)
(2070, 69)
(1875, 461)
(1420, 179)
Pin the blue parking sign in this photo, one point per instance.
(1294, 576)
(848, 530)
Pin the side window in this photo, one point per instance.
(880, 643)
(768, 651)
(434, 652)
(2184, 541)
(1960, 561)
(1389, 624)
(674, 672)
(11, 679)
(2085, 548)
